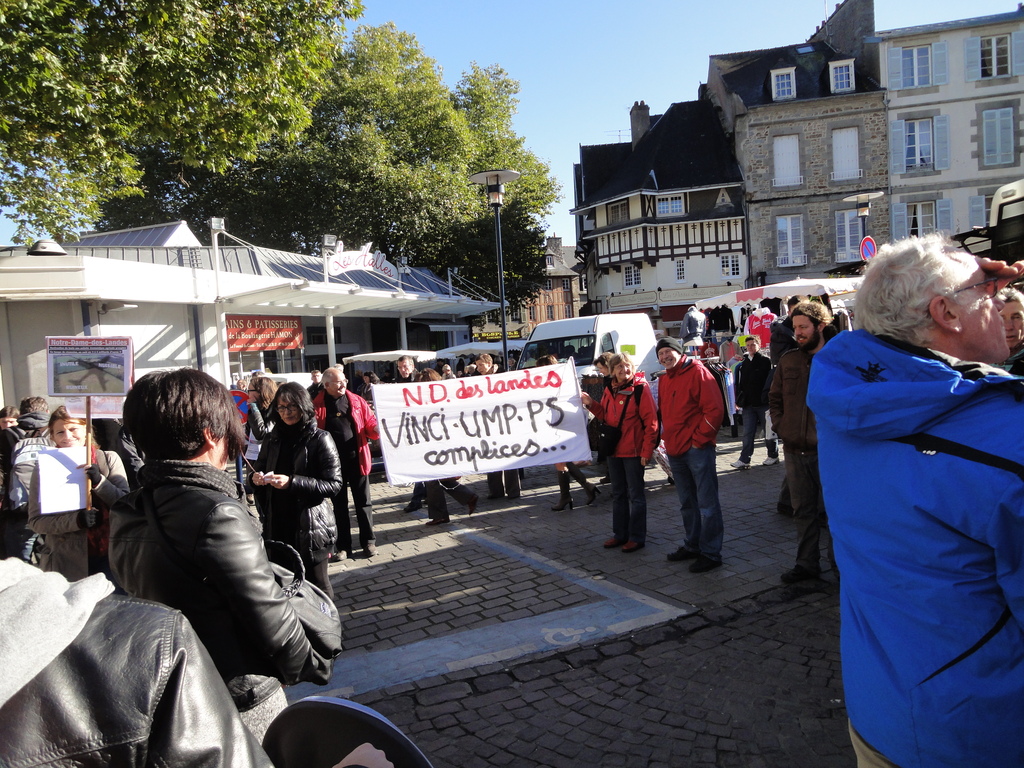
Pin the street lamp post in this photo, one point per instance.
(494, 183)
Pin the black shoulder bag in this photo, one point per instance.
(313, 608)
(608, 436)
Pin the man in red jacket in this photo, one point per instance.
(351, 422)
(692, 410)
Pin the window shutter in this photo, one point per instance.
(944, 216)
(856, 233)
(972, 59)
(899, 221)
(1005, 133)
(796, 237)
(976, 211)
(1017, 52)
(940, 136)
(842, 244)
(845, 156)
(897, 147)
(895, 69)
(940, 65)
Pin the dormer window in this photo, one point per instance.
(618, 212)
(550, 261)
(670, 205)
(841, 76)
(783, 84)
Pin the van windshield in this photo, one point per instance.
(579, 347)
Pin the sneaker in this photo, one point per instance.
(770, 460)
(704, 564)
(369, 550)
(740, 464)
(798, 573)
(682, 554)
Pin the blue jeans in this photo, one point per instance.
(697, 487)
(629, 504)
(754, 419)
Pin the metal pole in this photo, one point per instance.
(501, 286)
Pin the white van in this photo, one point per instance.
(584, 338)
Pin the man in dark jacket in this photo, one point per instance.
(751, 376)
(32, 423)
(794, 423)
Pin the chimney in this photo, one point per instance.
(639, 121)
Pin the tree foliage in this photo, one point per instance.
(86, 80)
(386, 159)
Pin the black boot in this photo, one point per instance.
(588, 488)
(564, 499)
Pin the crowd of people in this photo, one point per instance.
(885, 435)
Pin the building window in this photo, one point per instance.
(920, 219)
(551, 312)
(548, 285)
(918, 145)
(568, 310)
(783, 84)
(550, 261)
(680, 270)
(316, 334)
(533, 313)
(731, 265)
(583, 284)
(567, 284)
(841, 73)
(618, 212)
(670, 205)
(917, 66)
(995, 56)
(997, 136)
(630, 275)
(846, 154)
(789, 231)
(786, 161)
(848, 235)
(516, 313)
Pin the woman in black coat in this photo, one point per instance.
(298, 473)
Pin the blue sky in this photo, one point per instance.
(581, 65)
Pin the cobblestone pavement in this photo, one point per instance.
(512, 638)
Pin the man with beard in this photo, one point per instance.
(794, 423)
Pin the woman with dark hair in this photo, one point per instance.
(187, 541)
(297, 474)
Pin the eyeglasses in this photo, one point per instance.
(990, 285)
(287, 408)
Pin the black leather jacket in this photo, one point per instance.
(315, 480)
(236, 606)
(135, 688)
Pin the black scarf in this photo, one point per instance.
(196, 473)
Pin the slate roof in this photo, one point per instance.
(946, 26)
(685, 148)
(748, 74)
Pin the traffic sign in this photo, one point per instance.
(868, 247)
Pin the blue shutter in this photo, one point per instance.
(976, 211)
(899, 221)
(972, 59)
(897, 147)
(940, 63)
(895, 69)
(940, 137)
(1017, 52)
(944, 216)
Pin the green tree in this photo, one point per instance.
(86, 80)
(386, 159)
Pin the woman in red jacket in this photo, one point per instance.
(628, 405)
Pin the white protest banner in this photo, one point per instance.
(436, 429)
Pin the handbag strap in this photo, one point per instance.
(635, 395)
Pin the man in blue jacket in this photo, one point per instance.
(926, 506)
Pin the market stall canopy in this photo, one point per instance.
(391, 356)
(478, 348)
(798, 287)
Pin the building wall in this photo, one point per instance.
(962, 186)
(24, 327)
(818, 197)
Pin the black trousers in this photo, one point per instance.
(358, 484)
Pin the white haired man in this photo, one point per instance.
(926, 506)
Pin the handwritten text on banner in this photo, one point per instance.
(436, 429)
